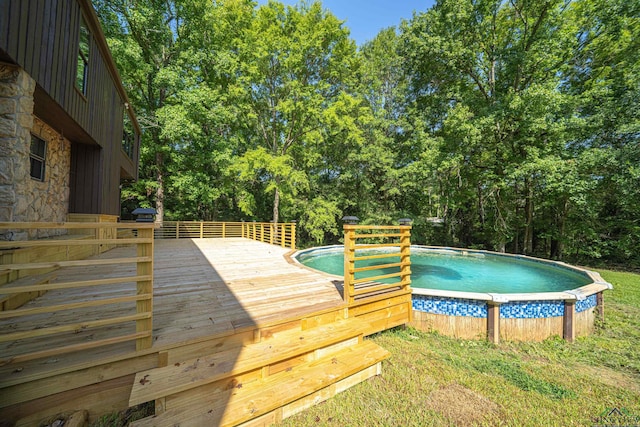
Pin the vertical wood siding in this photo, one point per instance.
(85, 165)
(42, 37)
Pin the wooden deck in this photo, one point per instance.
(202, 288)
(210, 295)
(205, 287)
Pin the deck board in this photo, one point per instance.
(202, 287)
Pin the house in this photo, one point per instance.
(84, 335)
(68, 137)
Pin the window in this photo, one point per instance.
(128, 136)
(37, 156)
(83, 58)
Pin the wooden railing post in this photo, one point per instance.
(282, 235)
(224, 230)
(145, 287)
(97, 234)
(349, 262)
(201, 229)
(405, 254)
(177, 229)
(293, 235)
(405, 260)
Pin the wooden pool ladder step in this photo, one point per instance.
(261, 382)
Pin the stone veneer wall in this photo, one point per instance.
(21, 197)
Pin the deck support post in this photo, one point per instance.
(493, 322)
(349, 262)
(569, 321)
(405, 254)
(600, 306)
(145, 287)
(405, 260)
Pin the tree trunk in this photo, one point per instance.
(557, 244)
(528, 212)
(501, 227)
(159, 189)
(276, 205)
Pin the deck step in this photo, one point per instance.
(165, 381)
(258, 398)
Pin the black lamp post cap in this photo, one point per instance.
(144, 214)
(350, 219)
(144, 211)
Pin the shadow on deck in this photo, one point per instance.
(211, 296)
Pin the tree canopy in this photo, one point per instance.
(504, 125)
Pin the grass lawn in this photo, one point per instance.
(432, 380)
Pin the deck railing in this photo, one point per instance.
(281, 234)
(30, 260)
(367, 243)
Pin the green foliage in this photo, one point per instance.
(319, 219)
(295, 64)
(503, 78)
(516, 123)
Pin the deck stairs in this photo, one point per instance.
(263, 382)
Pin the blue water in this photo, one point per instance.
(454, 271)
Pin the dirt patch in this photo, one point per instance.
(462, 406)
(610, 377)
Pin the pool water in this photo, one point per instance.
(454, 271)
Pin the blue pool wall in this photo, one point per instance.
(508, 310)
(528, 316)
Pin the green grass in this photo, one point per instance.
(432, 380)
(122, 419)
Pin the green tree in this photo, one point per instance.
(488, 74)
(604, 74)
(295, 63)
(143, 37)
(176, 63)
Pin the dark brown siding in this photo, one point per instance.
(41, 36)
(85, 179)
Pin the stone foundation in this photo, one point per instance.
(21, 197)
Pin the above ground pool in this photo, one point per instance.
(470, 293)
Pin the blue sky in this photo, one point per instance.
(365, 18)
